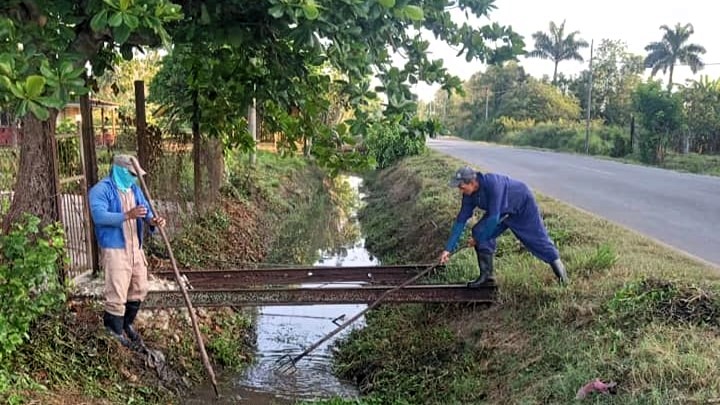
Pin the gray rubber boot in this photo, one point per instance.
(485, 263)
(559, 269)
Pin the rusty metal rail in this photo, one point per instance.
(309, 296)
(238, 278)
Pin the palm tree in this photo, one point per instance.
(557, 47)
(665, 54)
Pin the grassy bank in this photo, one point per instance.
(68, 358)
(636, 313)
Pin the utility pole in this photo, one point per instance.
(445, 108)
(589, 102)
(632, 133)
(487, 99)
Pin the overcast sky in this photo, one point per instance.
(636, 22)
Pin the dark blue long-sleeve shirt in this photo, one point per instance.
(498, 195)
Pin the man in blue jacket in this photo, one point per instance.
(119, 209)
(507, 203)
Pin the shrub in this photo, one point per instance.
(389, 142)
(565, 136)
(29, 283)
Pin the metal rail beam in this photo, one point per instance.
(310, 296)
(238, 278)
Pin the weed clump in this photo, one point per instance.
(666, 301)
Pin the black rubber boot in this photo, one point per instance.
(559, 269)
(131, 310)
(485, 263)
(114, 326)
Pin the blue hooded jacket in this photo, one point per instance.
(107, 214)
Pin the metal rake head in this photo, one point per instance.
(286, 364)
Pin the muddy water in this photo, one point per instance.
(288, 330)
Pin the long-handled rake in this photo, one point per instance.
(178, 279)
(287, 362)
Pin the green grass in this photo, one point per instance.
(68, 356)
(691, 163)
(635, 313)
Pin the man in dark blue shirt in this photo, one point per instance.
(507, 203)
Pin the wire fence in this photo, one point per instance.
(9, 162)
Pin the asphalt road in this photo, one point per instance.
(679, 209)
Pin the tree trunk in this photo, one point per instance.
(252, 128)
(88, 142)
(215, 163)
(554, 82)
(670, 83)
(36, 189)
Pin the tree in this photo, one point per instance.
(463, 113)
(539, 102)
(293, 51)
(117, 84)
(673, 49)
(616, 73)
(504, 91)
(275, 43)
(661, 115)
(45, 48)
(702, 105)
(557, 46)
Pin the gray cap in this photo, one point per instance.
(126, 161)
(463, 175)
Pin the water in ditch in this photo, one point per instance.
(288, 330)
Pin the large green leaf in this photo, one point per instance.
(99, 21)
(45, 70)
(39, 111)
(34, 86)
(6, 65)
(116, 19)
(387, 3)
(414, 13)
(51, 102)
(131, 21)
(121, 33)
(22, 108)
(66, 69)
(16, 90)
(311, 11)
(277, 11)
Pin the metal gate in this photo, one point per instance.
(73, 203)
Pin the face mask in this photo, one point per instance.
(123, 178)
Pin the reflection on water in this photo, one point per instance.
(288, 330)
